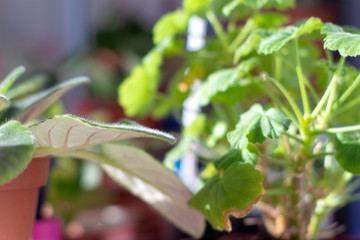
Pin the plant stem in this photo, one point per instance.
(329, 89)
(301, 79)
(217, 27)
(242, 35)
(349, 91)
(352, 128)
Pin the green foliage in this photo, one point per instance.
(17, 146)
(223, 80)
(256, 125)
(235, 189)
(348, 153)
(338, 40)
(170, 25)
(279, 38)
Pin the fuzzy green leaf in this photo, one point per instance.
(279, 38)
(222, 80)
(251, 44)
(256, 125)
(16, 150)
(232, 192)
(147, 179)
(138, 90)
(169, 25)
(65, 133)
(348, 44)
(270, 20)
(4, 102)
(34, 105)
(10, 79)
(348, 153)
(246, 155)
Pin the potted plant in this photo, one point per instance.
(278, 124)
(27, 143)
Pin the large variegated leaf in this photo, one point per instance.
(66, 132)
(16, 150)
(31, 107)
(147, 179)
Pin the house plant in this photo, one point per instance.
(279, 112)
(27, 142)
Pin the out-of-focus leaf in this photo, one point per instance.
(10, 79)
(169, 25)
(348, 153)
(147, 179)
(31, 107)
(138, 90)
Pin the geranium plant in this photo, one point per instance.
(23, 138)
(279, 112)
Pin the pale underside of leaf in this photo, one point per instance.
(31, 107)
(66, 132)
(147, 179)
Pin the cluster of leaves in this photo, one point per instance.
(303, 98)
(23, 138)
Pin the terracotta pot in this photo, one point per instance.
(18, 201)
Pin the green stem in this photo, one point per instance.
(242, 35)
(290, 100)
(347, 106)
(329, 89)
(301, 79)
(217, 27)
(294, 137)
(349, 91)
(319, 155)
(340, 129)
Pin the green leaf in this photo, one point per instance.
(276, 40)
(256, 125)
(138, 90)
(348, 153)
(196, 127)
(178, 151)
(147, 179)
(246, 155)
(4, 102)
(16, 150)
(66, 132)
(31, 107)
(222, 80)
(10, 79)
(279, 38)
(270, 20)
(348, 44)
(232, 192)
(170, 25)
(251, 44)
(257, 4)
(198, 7)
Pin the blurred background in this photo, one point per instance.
(104, 39)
